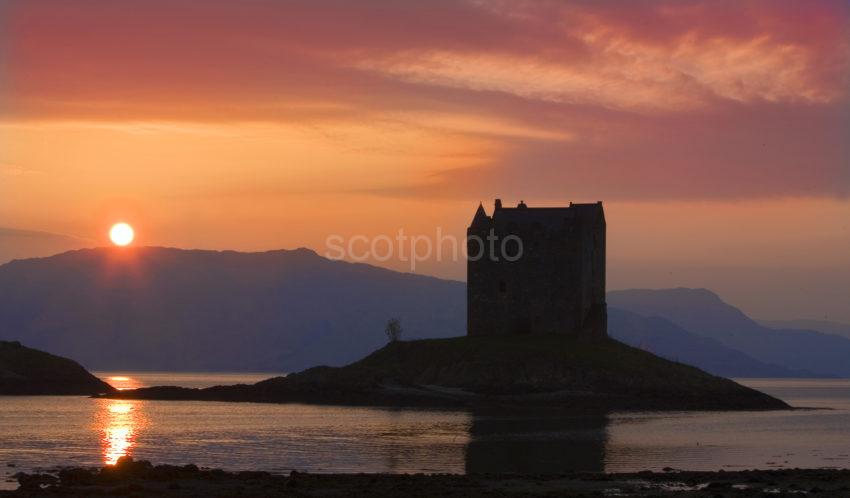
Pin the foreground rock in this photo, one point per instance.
(552, 371)
(141, 479)
(29, 371)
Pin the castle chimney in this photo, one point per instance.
(498, 203)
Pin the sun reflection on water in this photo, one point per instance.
(122, 382)
(119, 423)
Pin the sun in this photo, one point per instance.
(121, 234)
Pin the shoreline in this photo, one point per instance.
(424, 398)
(142, 479)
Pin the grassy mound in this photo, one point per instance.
(557, 371)
(29, 371)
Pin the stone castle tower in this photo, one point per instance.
(540, 271)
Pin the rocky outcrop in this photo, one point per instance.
(29, 371)
(546, 370)
(143, 480)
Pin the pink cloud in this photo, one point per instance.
(638, 99)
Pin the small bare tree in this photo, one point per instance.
(393, 330)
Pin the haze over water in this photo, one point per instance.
(44, 432)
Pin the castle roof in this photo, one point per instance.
(480, 216)
(583, 213)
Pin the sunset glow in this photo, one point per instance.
(121, 234)
(123, 382)
(242, 241)
(266, 125)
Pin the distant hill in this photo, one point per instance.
(835, 328)
(25, 371)
(170, 309)
(666, 339)
(703, 313)
(516, 370)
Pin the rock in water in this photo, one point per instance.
(516, 371)
(25, 371)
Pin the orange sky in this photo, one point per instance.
(715, 131)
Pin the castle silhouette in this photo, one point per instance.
(537, 271)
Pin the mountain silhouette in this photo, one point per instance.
(668, 340)
(702, 312)
(827, 327)
(170, 309)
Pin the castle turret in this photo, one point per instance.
(480, 217)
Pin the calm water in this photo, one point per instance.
(44, 432)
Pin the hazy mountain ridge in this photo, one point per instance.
(702, 312)
(666, 339)
(157, 308)
(825, 326)
(173, 309)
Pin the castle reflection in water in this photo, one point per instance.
(492, 443)
(79, 431)
(528, 444)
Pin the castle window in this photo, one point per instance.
(503, 287)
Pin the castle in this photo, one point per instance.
(537, 271)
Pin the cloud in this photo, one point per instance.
(637, 100)
(12, 170)
(627, 75)
(296, 58)
(19, 244)
(740, 152)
